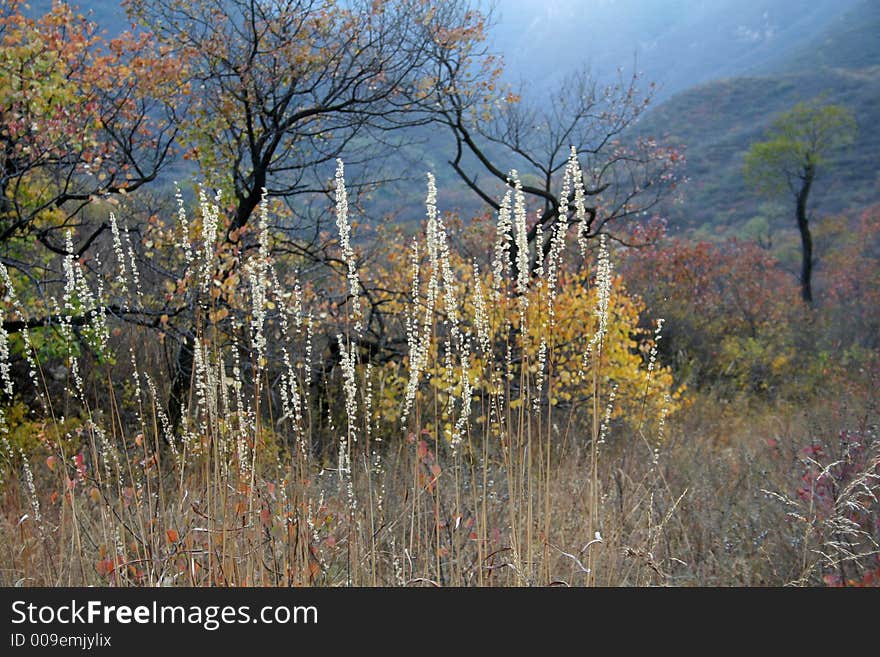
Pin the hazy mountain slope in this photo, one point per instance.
(851, 40)
(717, 121)
(677, 43)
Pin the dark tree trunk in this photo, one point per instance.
(178, 396)
(806, 238)
(249, 199)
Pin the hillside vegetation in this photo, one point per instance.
(717, 121)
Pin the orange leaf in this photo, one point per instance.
(104, 567)
(172, 535)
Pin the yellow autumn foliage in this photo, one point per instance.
(551, 364)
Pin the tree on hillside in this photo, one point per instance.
(789, 160)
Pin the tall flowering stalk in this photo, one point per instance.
(79, 300)
(183, 240)
(501, 258)
(257, 270)
(29, 352)
(347, 442)
(521, 240)
(210, 212)
(603, 295)
(5, 367)
(348, 256)
(420, 334)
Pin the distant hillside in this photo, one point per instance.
(851, 40)
(676, 43)
(716, 122)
